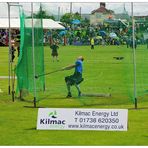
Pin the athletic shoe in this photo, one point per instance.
(79, 94)
(69, 95)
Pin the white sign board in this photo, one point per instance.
(82, 119)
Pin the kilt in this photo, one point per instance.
(76, 78)
(54, 54)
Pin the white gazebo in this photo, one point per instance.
(15, 23)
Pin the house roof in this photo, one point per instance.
(102, 10)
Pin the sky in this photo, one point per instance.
(86, 7)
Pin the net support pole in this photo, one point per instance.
(134, 56)
(33, 56)
(9, 51)
(44, 87)
(10, 67)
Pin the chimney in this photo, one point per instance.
(102, 4)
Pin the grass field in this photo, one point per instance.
(102, 74)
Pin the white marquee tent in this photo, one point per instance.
(15, 23)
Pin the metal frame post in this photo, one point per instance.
(134, 56)
(10, 63)
(33, 56)
(9, 52)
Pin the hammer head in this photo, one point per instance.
(36, 77)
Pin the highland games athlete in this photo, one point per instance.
(76, 78)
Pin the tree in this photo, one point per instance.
(85, 22)
(77, 16)
(68, 17)
(43, 14)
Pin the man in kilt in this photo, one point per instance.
(76, 78)
(54, 47)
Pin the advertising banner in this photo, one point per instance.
(82, 119)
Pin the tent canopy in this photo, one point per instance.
(102, 33)
(76, 22)
(113, 35)
(15, 23)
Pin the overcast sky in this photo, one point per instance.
(86, 7)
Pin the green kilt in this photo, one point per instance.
(76, 78)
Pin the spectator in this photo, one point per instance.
(54, 47)
(92, 42)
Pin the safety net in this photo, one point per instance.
(31, 59)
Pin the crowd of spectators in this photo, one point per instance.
(4, 36)
(81, 35)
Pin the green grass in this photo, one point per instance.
(102, 74)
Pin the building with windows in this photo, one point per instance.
(97, 16)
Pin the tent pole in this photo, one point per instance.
(33, 56)
(134, 56)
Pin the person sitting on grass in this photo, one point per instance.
(54, 47)
(76, 78)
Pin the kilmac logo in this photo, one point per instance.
(52, 119)
(53, 114)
